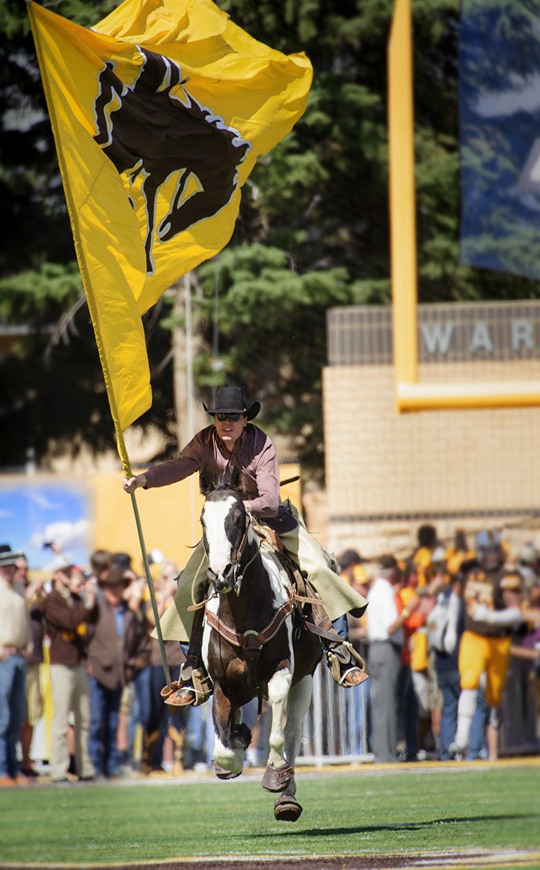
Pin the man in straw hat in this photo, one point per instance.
(233, 441)
(15, 639)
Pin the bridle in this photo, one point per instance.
(236, 557)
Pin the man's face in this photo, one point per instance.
(229, 431)
(63, 577)
(22, 571)
(113, 594)
(8, 572)
(491, 557)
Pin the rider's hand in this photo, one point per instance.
(133, 483)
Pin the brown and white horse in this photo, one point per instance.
(250, 645)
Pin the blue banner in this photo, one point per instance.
(499, 98)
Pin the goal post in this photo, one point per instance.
(410, 394)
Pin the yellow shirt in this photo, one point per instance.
(422, 563)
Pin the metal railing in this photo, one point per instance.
(336, 725)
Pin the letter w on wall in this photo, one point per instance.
(437, 336)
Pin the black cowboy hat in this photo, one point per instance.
(9, 556)
(231, 400)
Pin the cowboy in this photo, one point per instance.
(234, 442)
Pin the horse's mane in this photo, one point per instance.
(228, 480)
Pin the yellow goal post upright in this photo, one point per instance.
(410, 394)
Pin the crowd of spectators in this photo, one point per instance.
(106, 672)
(438, 635)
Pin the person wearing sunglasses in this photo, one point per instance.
(234, 441)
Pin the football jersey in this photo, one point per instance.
(486, 587)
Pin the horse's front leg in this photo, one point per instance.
(279, 686)
(229, 742)
(297, 707)
(286, 807)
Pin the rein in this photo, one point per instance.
(237, 556)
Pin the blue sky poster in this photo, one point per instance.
(33, 513)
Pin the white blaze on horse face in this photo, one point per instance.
(219, 548)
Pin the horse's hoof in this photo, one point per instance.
(287, 809)
(277, 778)
(241, 736)
(221, 773)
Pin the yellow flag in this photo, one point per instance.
(159, 113)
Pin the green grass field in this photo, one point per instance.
(343, 814)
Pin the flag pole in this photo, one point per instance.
(122, 450)
(152, 592)
(121, 445)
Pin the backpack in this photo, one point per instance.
(442, 622)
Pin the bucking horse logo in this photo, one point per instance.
(152, 135)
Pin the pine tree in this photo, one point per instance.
(313, 229)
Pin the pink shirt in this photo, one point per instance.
(254, 454)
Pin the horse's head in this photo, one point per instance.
(224, 523)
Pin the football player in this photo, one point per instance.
(493, 610)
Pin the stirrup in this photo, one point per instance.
(353, 676)
(183, 697)
(166, 692)
(194, 688)
(346, 665)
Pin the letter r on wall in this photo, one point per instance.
(522, 331)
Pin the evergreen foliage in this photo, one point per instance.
(313, 230)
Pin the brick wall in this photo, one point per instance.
(387, 473)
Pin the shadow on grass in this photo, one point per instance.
(404, 826)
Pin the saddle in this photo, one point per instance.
(310, 615)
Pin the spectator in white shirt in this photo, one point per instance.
(15, 641)
(385, 633)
